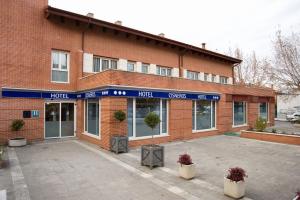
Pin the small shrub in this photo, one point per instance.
(298, 195)
(152, 120)
(120, 115)
(236, 174)
(274, 130)
(17, 124)
(260, 124)
(185, 159)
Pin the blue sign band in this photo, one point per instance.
(149, 94)
(112, 92)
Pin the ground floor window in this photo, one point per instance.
(203, 115)
(137, 109)
(263, 110)
(91, 117)
(239, 113)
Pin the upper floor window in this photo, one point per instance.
(130, 66)
(163, 71)
(223, 79)
(145, 68)
(60, 66)
(102, 64)
(192, 75)
(206, 76)
(213, 78)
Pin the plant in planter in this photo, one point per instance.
(234, 183)
(260, 124)
(152, 155)
(274, 130)
(119, 142)
(16, 126)
(297, 197)
(187, 167)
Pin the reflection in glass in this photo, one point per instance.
(263, 110)
(203, 114)
(143, 107)
(52, 120)
(92, 117)
(67, 119)
(130, 117)
(239, 113)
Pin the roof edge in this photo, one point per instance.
(63, 13)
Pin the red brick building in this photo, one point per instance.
(66, 74)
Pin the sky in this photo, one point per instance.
(246, 24)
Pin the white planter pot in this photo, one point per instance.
(234, 189)
(17, 142)
(187, 171)
(296, 197)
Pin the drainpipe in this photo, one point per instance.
(82, 42)
(180, 62)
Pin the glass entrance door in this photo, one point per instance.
(52, 120)
(59, 120)
(67, 119)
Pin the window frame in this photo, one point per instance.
(213, 78)
(161, 134)
(195, 75)
(145, 65)
(167, 69)
(101, 58)
(259, 114)
(245, 105)
(205, 77)
(224, 78)
(134, 66)
(84, 119)
(60, 52)
(213, 127)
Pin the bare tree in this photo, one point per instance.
(252, 71)
(285, 73)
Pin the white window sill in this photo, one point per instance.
(238, 126)
(148, 137)
(60, 82)
(204, 130)
(92, 135)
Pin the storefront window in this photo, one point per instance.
(130, 117)
(239, 113)
(92, 117)
(137, 110)
(203, 115)
(263, 110)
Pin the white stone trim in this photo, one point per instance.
(175, 72)
(138, 67)
(201, 76)
(184, 73)
(122, 64)
(88, 62)
(152, 69)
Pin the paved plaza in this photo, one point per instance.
(73, 169)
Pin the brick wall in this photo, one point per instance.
(25, 62)
(11, 109)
